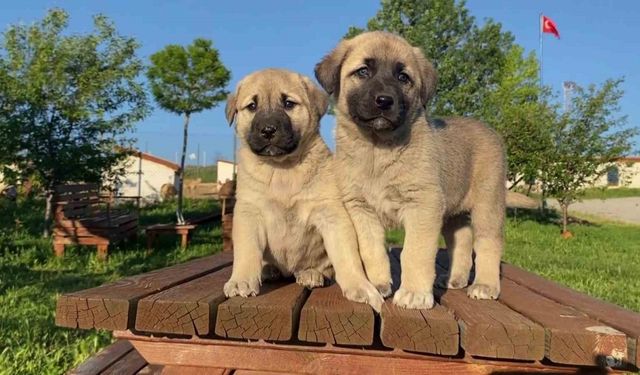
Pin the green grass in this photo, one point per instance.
(599, 193)
(603, 260)
(208, 173)
(31, 278)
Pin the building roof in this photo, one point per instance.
(629, 159)
(156, 159)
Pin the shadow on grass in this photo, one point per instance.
(549, 217)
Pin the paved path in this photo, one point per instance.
(620, 209)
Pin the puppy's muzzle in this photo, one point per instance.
(272, 134)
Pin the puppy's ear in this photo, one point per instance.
(428, 76)
(231, 109)
(328, 69)
(318, 99)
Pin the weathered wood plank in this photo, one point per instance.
(103, 359)
(319, 360)
(130, 364)
(188, 309)
(272, 315)
(612, 315)
(571, 337)
(192, 370)
(432, 331)
(328, 317)
(489, 328)
(112, 306)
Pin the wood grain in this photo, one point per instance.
(612, 315)
(489, 328)
(328, 317)
(188, 309)
(272, 315)
(103, 359)
(192, 370)
(433, 331)
(112, 306)
(130, 364)
(319, 360)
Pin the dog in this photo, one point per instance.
(397, 167)
(289, 216)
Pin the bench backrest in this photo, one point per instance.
(76, 201)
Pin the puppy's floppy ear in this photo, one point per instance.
(231, 109)
(318, 99)
(428, 76)
(328, 69)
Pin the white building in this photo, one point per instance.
(225, 170)
(145, 175)
(625, 173)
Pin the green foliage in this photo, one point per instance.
(31, 279)
(208, 173)
(519, 111)
(188, 80)
(68, 101)
(587, 138)
(185, 81)
(467, 57)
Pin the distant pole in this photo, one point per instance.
(541, 49)
(175, 157)
(204, 158)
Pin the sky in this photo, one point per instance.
(599, 40)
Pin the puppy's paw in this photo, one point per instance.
(382, 282)
(364, 292)
(451, 282)
(310, 278)
(242, 288)
(483, 291)
(413, 299)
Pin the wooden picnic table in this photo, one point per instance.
(178, 321)
(182, 230)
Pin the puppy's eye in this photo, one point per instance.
(363, 72)
(288, 104)
(404, 78)
(252, 107)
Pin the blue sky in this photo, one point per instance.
(599, 41)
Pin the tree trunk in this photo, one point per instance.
(180, 218)
(48, 213)
(565, 209)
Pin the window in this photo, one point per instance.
(613, 176)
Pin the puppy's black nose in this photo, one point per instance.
(268, 132)
(384, 101)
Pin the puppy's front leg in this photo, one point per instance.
(422, 224)
(370, 235)
(249, 242)
(341, 245)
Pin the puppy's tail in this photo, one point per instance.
(517, 200)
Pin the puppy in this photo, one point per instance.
(396, 167)
(289, 214)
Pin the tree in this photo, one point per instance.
(518, 108)
(587, 139)
(71, 100)
(186, 81)
(467, 58)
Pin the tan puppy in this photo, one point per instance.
(395, 167)
(288, 212)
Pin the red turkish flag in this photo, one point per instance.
(548, 26)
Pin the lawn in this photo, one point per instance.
(602, 259)
(599, 193)
(208, 173)
(31, 278)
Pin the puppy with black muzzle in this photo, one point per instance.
(289, 215)
(396, 167)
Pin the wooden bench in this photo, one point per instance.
(83, 216)
(153, 231)
(179, 317)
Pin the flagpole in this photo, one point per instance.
(541, 50)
